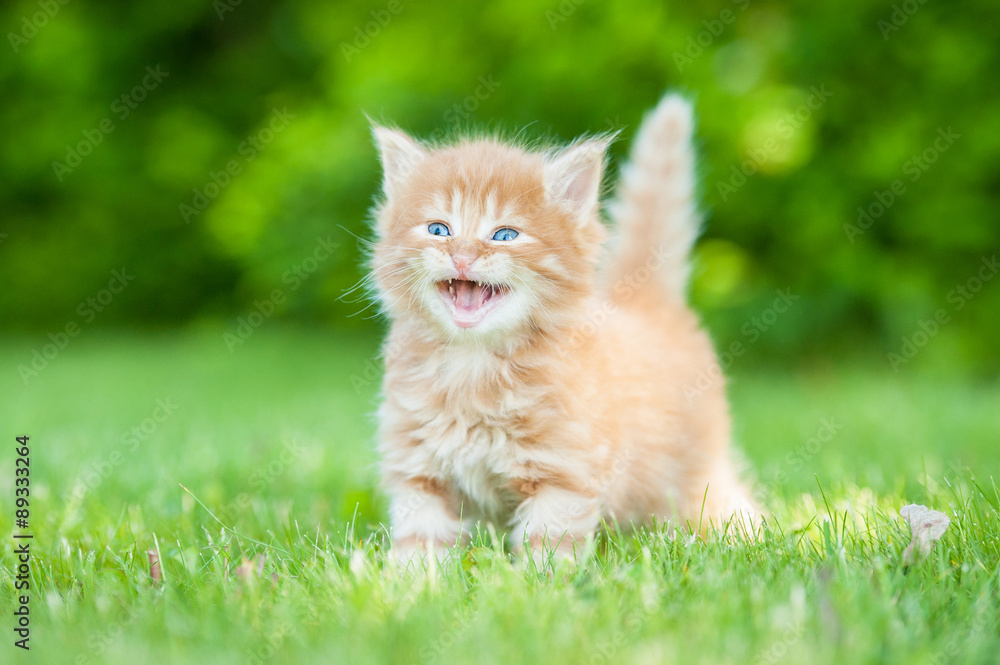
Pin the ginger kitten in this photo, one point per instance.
(527, 382)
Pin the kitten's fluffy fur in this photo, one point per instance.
(556, 394)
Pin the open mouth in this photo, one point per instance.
(470, 301)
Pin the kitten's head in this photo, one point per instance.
(481, 240)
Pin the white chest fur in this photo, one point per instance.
(465, 413)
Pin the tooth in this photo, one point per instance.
(451, 289)
(449, 281)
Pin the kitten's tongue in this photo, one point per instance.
(469, 302)
(468, 295)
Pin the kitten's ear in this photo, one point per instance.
(573, 176)
(400, 154)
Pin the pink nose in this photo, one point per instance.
(463, 261)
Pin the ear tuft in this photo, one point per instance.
(400, 155)
(573, 176)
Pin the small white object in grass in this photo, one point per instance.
(359, 563)
(926, 527)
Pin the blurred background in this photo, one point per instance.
(219, 151)
(184, 194)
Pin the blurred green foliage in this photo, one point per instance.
(808, 112)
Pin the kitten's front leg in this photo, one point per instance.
(555, 518)
(423, 520)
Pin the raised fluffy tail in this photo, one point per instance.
(654, 209)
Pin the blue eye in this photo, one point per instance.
(438, 229)
(505, 234)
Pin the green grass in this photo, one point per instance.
(275, 438)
